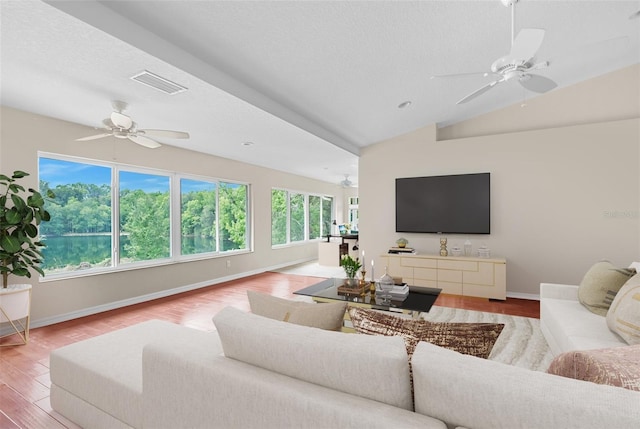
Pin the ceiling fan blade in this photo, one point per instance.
(107, 122)
(95, 137)
(527, 43)
(536, 83)
(480, 91)
(121, 120)
(144, 141)
(165, 133)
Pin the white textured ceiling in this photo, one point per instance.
(308, 82)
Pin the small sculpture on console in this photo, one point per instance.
(443, 247)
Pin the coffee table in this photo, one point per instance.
(420, 299)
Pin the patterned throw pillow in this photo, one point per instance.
(623, 317)
(476, 339)
(329, 316)
(617, 366)
(600, 285)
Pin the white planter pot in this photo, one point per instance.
(15, 308)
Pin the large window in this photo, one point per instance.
(296, 216)
(79, 235)
(107, 215)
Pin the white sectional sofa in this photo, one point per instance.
(256, 372)
(568, 325)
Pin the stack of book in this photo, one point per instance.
(402, 250)
(399, 292)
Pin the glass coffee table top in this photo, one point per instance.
(419, 298)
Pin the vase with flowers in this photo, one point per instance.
(351, 267)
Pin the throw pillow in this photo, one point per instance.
(623, 317)
(476, 339)
(329, 316)
(600, 285)
(617, 366)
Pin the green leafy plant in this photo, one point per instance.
(19, 220)
(350, 265)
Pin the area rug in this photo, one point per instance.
(521, 342)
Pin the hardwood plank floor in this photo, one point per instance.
(24, 370)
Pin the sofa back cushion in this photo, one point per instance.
(600, 285)
(328, 316)
(372, 367)
(623, 317)
(466, 391)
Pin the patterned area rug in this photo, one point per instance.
(521, 342)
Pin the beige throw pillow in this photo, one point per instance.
(623, 317)
(600, 286)
(329, 316)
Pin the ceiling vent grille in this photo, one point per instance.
(159, 83)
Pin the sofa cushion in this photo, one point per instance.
(475, 339)
(328, 316)
(477, 393)
(600, 285)
(624, 316)
(573, 327)
(106, 371)
(371, 367)
(618, 366)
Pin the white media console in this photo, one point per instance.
(457, 275)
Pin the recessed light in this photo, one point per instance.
(404, 104)
(247, 144)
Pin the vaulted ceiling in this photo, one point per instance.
(298, 86)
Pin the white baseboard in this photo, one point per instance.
(520, 295)
(149, 297)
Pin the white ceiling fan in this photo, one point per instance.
(346, 183)
(518, 64)
(122, 126)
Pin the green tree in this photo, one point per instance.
(315, 208)
(296, 217)
(144, 218)
(278, 216)
(233, 216)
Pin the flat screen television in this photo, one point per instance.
(452, 204)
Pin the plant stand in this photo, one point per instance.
(15, 309)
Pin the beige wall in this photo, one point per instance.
(562, 197)
(24, 134)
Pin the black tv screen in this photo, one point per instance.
(453, 204)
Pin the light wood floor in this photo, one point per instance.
(24, 370)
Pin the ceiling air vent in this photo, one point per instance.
(159, 83)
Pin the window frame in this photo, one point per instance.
(175, 254)
(306, 239)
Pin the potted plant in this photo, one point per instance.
(19, 220)
(351, 267)
(19, 246)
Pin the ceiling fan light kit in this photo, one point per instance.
(121, 126)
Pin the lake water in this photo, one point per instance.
(96, 249)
